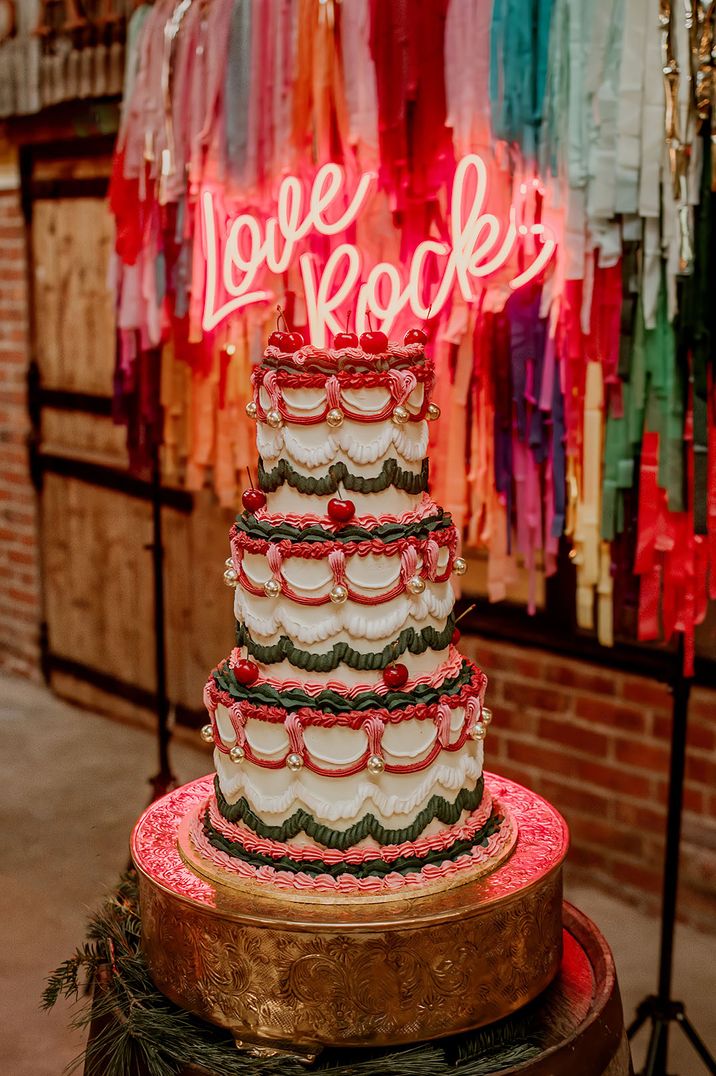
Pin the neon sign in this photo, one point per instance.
(238, 250)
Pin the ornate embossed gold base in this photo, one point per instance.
(302, 976)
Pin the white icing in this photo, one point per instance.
(390, 502)
(335, 747)
(411, 740)
(276, 794)
(417, 665)
(309, 576)
(311, 624)
(266, 740)
(407, 443)
(223, 722)
(425, 508)
(340, 746)
(369, 402)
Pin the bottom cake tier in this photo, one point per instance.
(379, 970)
(235, 854)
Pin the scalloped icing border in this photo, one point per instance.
(211, 863)
(410, 640)
(438, 808)
(274, 444)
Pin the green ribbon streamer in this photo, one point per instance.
(654, 395)
(696, 321)
(342, 653)
(468, 799)
(376, 868)
(390, 474)
(351, 532)
(334, 703)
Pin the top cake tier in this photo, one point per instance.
(335, 423)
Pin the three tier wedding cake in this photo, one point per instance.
(348, 729)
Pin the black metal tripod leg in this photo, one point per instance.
(655, 1064)
(697, 1042)
(642, 1015)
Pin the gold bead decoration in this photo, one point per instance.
(251, 409)
(459, 566)
(416, 584)
(207, 734)
(274, 419)
(334, 417)
(237, 754)
(400, 415)
(272, 588)
(231, 577)
(478, 732)
(486, 715)
(338, 595)
(294, 762)
(375, 765)
(432, 413)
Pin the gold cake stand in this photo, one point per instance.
(287, 976)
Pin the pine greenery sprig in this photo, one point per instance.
(136, 1029)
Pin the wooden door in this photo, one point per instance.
(96, 518)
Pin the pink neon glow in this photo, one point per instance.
(241, 249)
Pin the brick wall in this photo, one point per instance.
(20, 613)
(596, 744)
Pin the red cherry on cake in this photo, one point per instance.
(415, 336)
(279, 339)
(456, 636)
(294, 341)
(246, 671)
(374, 342)
(253, 499)
(395, 675)
(341, 340)
(341, 511)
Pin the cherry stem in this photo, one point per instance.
(394, 652)
(278, 318)
(426, 319)
(465, 612)
(369, 320)
(248, 471)
(348, 320)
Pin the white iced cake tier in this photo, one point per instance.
(348, 728)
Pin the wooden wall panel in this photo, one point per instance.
(84, 436)
(98, 586)
(199, 607)
(97, 578)
(72, 239)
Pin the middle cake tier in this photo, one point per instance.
(311, 600)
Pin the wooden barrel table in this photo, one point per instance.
(574, 1028)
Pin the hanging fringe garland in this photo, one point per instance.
(582, 396)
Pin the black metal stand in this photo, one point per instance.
(164, 780)
(660, 1009)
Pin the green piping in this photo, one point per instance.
(386, 532)
(468, 799)
(390, 474)
(342, 653)
(402, 865)
(332, 701)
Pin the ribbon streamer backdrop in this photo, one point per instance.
(581, 405)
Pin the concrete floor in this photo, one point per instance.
(72, 785)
